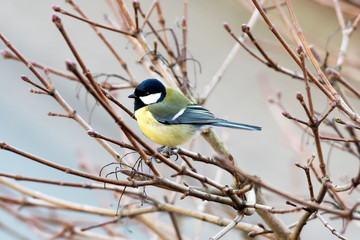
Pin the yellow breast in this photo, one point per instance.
(166, 135)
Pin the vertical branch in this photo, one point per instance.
(161, 67)
(356, 180)
(314, 124)
(307, 49)
(279, 228)
(339, 14)
(125, 13)
(136, 7)
(288, 48)
(295, 235)
(306, 80)
(286, 21)
(161, 20)
(184, 43)
(346, 32)
(308, 178)
(329, 91)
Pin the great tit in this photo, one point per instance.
(168, 118)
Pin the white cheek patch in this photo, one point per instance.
(179, 114)
(150, 99)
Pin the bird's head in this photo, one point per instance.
(148, 92)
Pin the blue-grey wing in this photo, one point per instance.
(192, 114)
(197, 115)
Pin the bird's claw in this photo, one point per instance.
(168, 151)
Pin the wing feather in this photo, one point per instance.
(193, 114)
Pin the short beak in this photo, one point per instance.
(132, 95)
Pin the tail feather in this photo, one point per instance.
(236, 125)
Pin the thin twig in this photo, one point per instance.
(174, 222)
(328, 226)
(58, 9)
(310, 186)
(307, 85)
(336, 75)
(225, 230)
(8, 55)
(220, 72)
(58, 97)
(108, 45)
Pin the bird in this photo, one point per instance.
(170, 119)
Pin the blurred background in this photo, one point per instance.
(241, 96)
